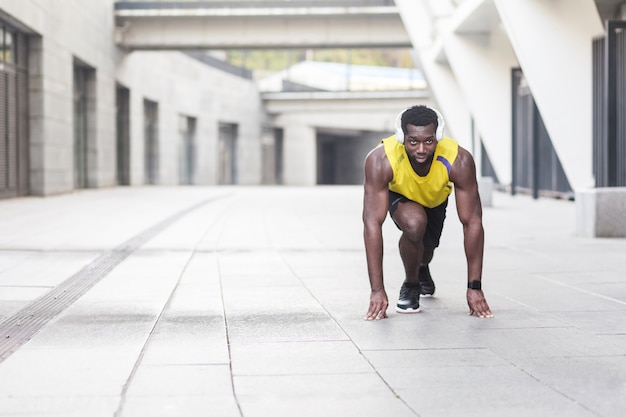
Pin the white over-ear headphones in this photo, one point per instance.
(400, 132)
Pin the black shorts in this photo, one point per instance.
(434, 217)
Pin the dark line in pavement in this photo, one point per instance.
(133, 372)
(228, 344)
(157, 323)
(19, 328)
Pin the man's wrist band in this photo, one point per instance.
(474, 285)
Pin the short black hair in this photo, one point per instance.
(419, 115)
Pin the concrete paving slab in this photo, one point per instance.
(614, 339)
(186, 340)
(13, 299)
(283, 326)
(202, 271)
(191, 329)
(318, 395)
(543, 293)
(252, 304)
(588, 277)
(208, 381)
(121, 213)
(479, 391)
(188, 406)
(416, 331)
(298, 358)
(595, 322)
(66, 372)
(412, 360)
(256, 269)
(40, 269)
(192, 231)
(96, 326)
(544, 343)
(58, 406)
(596, 383)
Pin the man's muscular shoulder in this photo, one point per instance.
(463, 166)
(377, 166)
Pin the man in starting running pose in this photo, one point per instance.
(411, 175)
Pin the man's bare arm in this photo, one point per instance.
(463, 175)
(378, 173)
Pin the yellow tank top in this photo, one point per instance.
(430, 190)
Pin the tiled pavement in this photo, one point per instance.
(249, 301)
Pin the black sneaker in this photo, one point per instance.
(409, 300)
(426, 281)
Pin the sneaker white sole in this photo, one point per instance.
(407, 310)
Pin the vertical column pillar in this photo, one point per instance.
(50, 124)
(299, 155)
(36, 116)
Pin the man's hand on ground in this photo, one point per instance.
(477, 304)
(378, 306)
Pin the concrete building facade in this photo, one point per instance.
(94, 113)
(78, 82)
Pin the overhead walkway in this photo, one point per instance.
(178, 25)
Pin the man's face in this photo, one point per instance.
(420, 144)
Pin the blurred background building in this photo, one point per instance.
(102, 93)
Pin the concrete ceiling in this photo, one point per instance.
(477, 17)
(609, 9)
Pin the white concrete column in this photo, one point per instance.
(249, 153)
(299, 155)
(552, 41)
(37, 122)
(137, 134)
(206, 143)
(482, 64)
(105, 131)
(51, 119)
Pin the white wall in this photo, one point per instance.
(183, 85)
